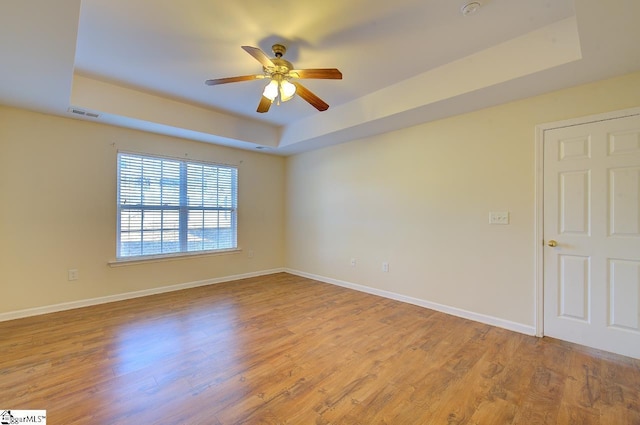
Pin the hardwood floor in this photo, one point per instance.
(287, 350)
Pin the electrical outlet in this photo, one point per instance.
(353, 262)
(499, 217)
(385, 267)
(72, 274)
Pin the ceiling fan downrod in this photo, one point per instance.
(279, 50)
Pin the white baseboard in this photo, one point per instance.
(128, 295)
(476, 317)
(482, 318)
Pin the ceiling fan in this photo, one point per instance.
(281, 72)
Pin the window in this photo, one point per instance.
(168, 206)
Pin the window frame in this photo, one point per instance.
(183, 209)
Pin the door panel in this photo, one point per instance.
(592, 210)
(624, 203)
(624, 295)
(574, 287)
(574, 202)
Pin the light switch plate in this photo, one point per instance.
(500, 217)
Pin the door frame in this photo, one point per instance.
(539, 199)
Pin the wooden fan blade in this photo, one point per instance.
(321, 73)
(233, 79)
(264, 105)
(259, 55)
(307, 95)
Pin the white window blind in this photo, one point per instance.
(168, 206)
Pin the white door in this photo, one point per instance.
(592, 216)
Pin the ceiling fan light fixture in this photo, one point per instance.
(280, 89)
(287, 90)
(271, 90)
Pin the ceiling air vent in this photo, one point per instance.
(81, 112)
(470, 8)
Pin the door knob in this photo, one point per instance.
(552, 243)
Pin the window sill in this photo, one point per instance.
(169, 257)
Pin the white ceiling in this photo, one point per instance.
(142, 63)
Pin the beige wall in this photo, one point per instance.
(58, 191)
(420, 197)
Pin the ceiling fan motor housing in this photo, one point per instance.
(282, 66)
